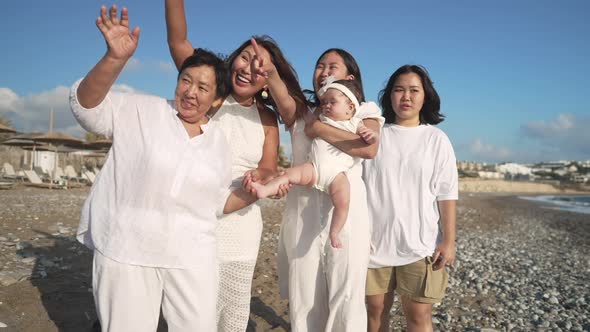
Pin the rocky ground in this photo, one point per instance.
(521, 267)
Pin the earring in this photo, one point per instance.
(264, 94)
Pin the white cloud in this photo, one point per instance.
(167, 68)
(133, 64)
(488, 152)
(567, 135)
(124, 88)
(31, 113)
(9, 101)
(546, 129)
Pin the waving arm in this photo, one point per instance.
(121, 44)
(285, 103)
(176, 28)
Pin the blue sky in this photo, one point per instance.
(512, 75)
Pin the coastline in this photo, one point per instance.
(512, 187)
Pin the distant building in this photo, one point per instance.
(554, 164)
(513, 171)
(469, 166)
(490, 175)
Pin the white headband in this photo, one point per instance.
(346, 91)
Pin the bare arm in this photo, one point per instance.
(237, 200)
(267, 166)
(180, 47)
(285, 103)
(350, 143)
(447, 247)
(121, 44)
(270, 149)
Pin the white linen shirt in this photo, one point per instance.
(156, 199)
(414, 168)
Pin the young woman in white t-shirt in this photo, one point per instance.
(412, 190)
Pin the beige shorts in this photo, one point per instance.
(416, 280)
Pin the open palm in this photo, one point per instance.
(120, 41)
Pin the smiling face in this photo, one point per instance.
(336, 106)
(331, 64)
(243, 88)
(195, 93)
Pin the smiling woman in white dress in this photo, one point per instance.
(260, 77)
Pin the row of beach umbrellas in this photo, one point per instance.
(51, 142)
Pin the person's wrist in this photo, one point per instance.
(115, 60)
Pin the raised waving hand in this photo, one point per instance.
(121, 42)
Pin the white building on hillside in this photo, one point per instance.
(513, 171)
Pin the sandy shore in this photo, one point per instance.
(520, 267)
(503, 186)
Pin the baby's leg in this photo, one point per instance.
(340, 195)
(303, 175)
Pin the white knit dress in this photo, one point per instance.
(238, 233)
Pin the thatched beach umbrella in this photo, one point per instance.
(56, 139)
(25, 142)
(18, 142)
(6, 129)
(38, 147)
(93, 145)
(101, 144)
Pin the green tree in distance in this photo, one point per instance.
(92, 137)
(5, 121)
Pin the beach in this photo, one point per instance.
(521, 265)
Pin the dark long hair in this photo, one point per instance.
(430, 112)
(284, 69)
(352, 68)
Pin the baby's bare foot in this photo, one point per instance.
(262, 191)
(335, 241)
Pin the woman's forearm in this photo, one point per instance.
(176, 29)
(237, 200)
(287, 107)
(350, 143)
(448, 217)
(97, 83)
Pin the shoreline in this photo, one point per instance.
(513, 187)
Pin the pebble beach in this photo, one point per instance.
(521, 266)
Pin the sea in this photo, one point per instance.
(573, 203)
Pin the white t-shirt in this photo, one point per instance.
(156, 199)
(414, 168)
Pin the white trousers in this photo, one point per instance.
(129, 297)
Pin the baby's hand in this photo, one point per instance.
(368, 135)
